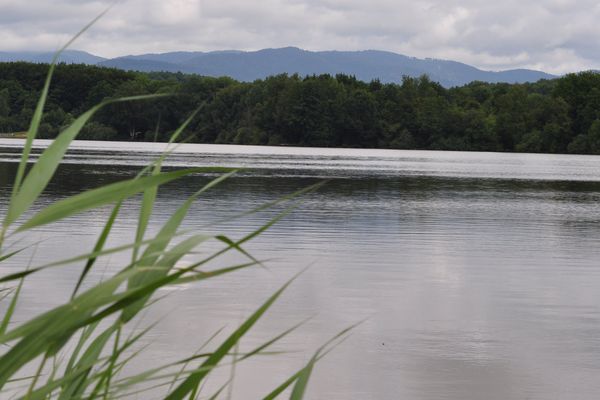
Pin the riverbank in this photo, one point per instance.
(316, 111)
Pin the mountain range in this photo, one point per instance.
(251, 65)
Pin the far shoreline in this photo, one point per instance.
(280, 150)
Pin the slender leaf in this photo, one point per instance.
(277, 338)
(77, 386)
(98, 247)
(11, 309)
(42, 171)
(9, 255)
(162, 268)
(101, 196)
(195, 378)
(168, 230)
(302, 381)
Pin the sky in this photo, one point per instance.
(555, 36)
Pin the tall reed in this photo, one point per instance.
(79, 349)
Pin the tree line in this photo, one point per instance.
(550, 116)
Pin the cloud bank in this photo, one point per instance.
(556, 36)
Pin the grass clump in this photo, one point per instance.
(79, 349)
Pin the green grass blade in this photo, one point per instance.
(52, 375)
(168, 231)
(98, 247)
(277, 338)
(46, 328)
(4, 293)
(55, 321)
(110, 371)
(31, 134)
(77, 386)
(150, 194)
(283, 387)
(304, 375)
(124, 300)
(319, 354)
(60, 323)
(42, 171)
(84, 257)
(195, 378)
(78, 35)
(13, 304)
(268, 205)
(218, 392)
(51, 330)
(43, 392)
(145, 212)
(171, 226)
(105, 378)
(89, 373)
(202, 275)
(37, 115)
(36, 376)
(100, 196)
(11, 309)
(278, 217)
(154, 374)
(187, 362)
(300, 387)
(9, 255)
(146, 377)
(85, 335)
(19, 275)
(239, 248)
(163, 267)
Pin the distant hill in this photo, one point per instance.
(365, 65)
(68, 56)
(248, 66)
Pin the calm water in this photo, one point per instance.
(480, 272)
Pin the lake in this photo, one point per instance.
(479, 273)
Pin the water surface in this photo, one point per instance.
(479, 272)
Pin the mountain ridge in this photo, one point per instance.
(67, 56)
(366, 65)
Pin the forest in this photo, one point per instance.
(549, 116)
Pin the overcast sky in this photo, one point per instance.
(552, 35)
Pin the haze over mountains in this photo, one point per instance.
(248, 66)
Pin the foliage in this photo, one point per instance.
(330, 111)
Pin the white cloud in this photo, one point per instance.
(553, 35)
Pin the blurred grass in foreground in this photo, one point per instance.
(78, 350)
